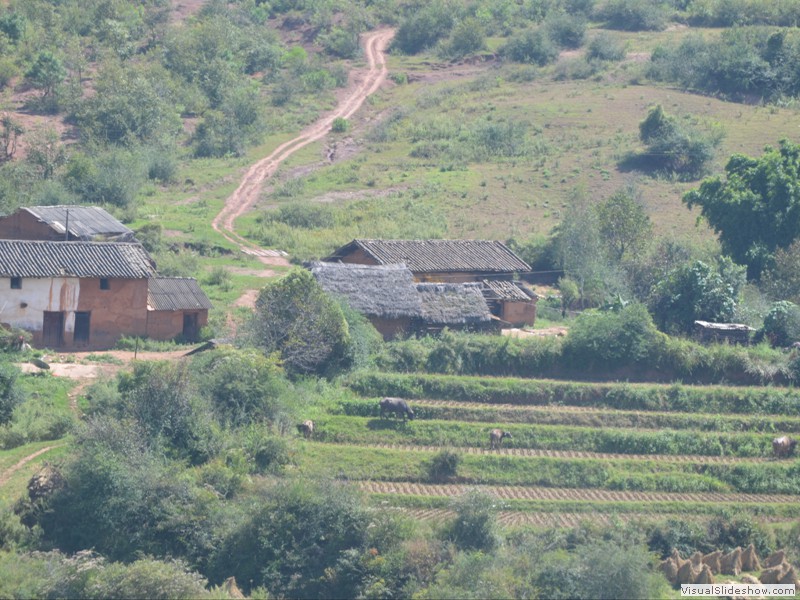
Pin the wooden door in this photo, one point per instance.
(53, 329)
(190, 327)
(82, 322)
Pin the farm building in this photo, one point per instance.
(388, 296)
(176, 306)
(510, 301)
(455, 306)
(455, 261)
(83, 294)
(733, 333)
(452, 261)
(64, 223)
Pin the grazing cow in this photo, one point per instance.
(496, 438)
(397, 406)
(306, 428)
(783, 447)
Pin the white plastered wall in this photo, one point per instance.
(25, 308)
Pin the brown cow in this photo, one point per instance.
(306, 428)
(496, 438)
(783, 447)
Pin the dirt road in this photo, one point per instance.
(246, 195)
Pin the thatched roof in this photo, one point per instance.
(453, 303)
(375, 291)
(437, 256)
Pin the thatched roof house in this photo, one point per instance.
(454, 305)
(394, 304)
(437, 260)
(511, 301)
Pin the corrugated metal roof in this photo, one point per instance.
(26, 258)
(378, 291)
(506, 290)
(175, 293)
(427, 256)
(85, 222)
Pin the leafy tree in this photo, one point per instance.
(634, 15)
(9, 135)
(295, 318)
(295, 540)
(624, 225)
(569, 294)
(466, 38)
(782, 323)
(697, 291)
(566, 31)
(755, 209)
(605, 46)
(781, 280)
(112, 177)
(676, 147)
(474, 527)
(46, 152)
(424, 27)
(46, 73)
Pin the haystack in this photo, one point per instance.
(790, 577)
(731, 563)
(232, 589)
(705, 576)
(670, 569)
(688, 573)
(696, 558)
(750, 559)
(712, 560)
(774, 574)
(774, 559)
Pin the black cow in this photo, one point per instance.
(397, 406)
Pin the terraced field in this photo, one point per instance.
(570, 459)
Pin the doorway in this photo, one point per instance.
(82, 321)
(190, 327)
(53, 329)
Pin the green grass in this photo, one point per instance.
(657, 509)
(555, 415)
(17, 484)
(352, 462)
(623, 396)
(360, 430)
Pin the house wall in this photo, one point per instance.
(518, 313)
(120, 310)
(168, 324)
(24, 226)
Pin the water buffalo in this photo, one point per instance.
(496, 438)
(306, 428)
(783, 447)
(398, 406)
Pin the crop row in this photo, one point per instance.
(589, 508)
(456, 410)
(360, 430)
(625, 396)
(353, 462)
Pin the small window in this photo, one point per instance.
(104, 285)
(16, 283)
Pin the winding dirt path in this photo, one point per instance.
(510, 492)
(247, 194)
(6, 475)
(569, 454)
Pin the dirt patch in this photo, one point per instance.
(248, 299)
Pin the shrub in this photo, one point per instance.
(443, 465)
(467, 38)
(782, 323)
(340, 125)
(530, 46)
(423, 28)
(10, 393)
(474, 527)
(605, 46)
(634, 15)
(566, 31)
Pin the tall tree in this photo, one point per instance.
(624, 225)
(755, 209)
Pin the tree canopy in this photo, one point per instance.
(755, 209)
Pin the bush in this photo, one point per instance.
(10, 393)
(531, 46)
(340, 125)
(610, 339)
(634, 15)
(605, 46)
(443, 466)
(565, 31)
(423, 28)
(782, 324)
(474, 527)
